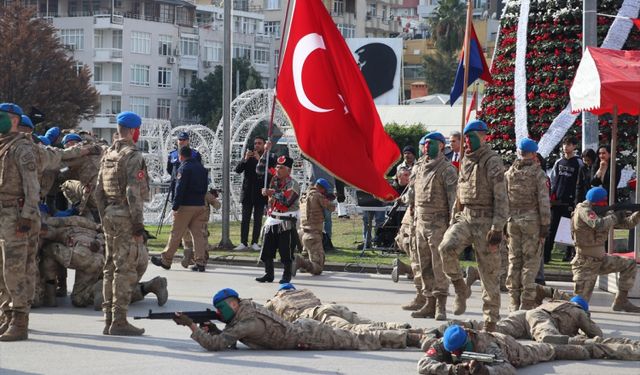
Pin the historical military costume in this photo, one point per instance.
(432, 190)
(482, 208)
(19, 224)
(527, 226)
(312, 205)
(590, 231)
(280, 226)
(122, 188)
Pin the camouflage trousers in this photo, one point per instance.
(312, 244)
(587, 269)
(339, 316)
(533, 324)
(140, 268)
(466, 231)
(430, 229)
(122, 257)
(18, 267)
(520, 355)
(87, 264)
(319, 336)
(525, 253)
(406, 241)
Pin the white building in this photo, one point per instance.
(144, 54)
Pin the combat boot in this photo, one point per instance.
(121, 327)
(268, 272)
(50, 294)
(414, 340)
(556, 339)
(157, 261)
(571, 352)
(622, 303)
(299, 262)
(514, 300)
(441, 307)
(503, 283)
(489, 326)
(107, 323)
(5, 318)
(543, 292)
(417, 303)
(472, 276)
(187, 258)
(528, 304)
(98, 299)
(157, 286)
(462, 293)
(428, 310)
(18, 328)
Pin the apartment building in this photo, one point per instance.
(144, 54)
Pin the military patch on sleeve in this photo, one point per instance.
(592, 215)
(140, 175)
(432, 352)
(28, 160)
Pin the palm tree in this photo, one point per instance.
(448, 25)
(440, 70)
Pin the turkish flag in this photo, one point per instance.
(322, 91)
(636, 21)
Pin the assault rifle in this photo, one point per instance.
(198, 317)
(600, 210)
(480, 357)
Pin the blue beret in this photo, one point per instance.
(580, 302)
(43, 208)
(70, 138)
(287, 286)
(527, 145)
(475, 126)
(11, 108)
(45, 141)
(324, 183)
(66, 213)
(129, 120)
(26, 121)
(183, 135)
(423, 140)
(224, 294)
(436, 136)
(454, 338)
(53, 134)
(596, 194)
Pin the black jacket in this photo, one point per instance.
(192, 180)
(251, 187)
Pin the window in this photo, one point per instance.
(140, 105)
(117, 39)
(183, 110)
(347, 31)
(164, 77)
(338, 7)
(164, 109)
(272, 28)
(261, 55)
(116, 72)
(140, 42)
(272, 4)
(189, 47)
(242, 51)
(167, 13)
(116, 104)
(98, 39)
(276, 56)
(139, 75)
(79, 66)
(212, 51)
(72, 38)
(164, 45)
(97, 73)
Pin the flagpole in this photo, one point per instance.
(467, 52)
(275, 84)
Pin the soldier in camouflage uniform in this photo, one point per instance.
(528, 224)
(590, 232)
(19, 224)
(312, 205)
(406, 241)
(122, 188)
(481, 210)
(259, 328)
(441, 356)
(292, 304)
(432, 192)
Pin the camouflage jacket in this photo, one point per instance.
(528, 189)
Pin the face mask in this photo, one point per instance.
(225, 311)
(5, 123)
(473, 141)
(433, 149)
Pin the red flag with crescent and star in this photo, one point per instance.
(328, 102)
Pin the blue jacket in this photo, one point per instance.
(191, 184)
(173, 161)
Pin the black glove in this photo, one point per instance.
(182, 320)
(95, 150)
(95, 246)
(23, 225)
(138, 229)
(461, 369)
(544, 231)
(478, 368)
(211, 328)
(494, 237)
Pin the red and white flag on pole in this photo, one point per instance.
(474, 104)
(329, 104)
(636, 21)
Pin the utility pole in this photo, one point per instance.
(225, 241)
(590, 129)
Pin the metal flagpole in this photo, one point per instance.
(467, 52)
(612, 171)
(225, 241)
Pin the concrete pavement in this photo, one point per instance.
(68, 340)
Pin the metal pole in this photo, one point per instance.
(612, 172)
(467, 52)
(589, 38)
(225, 241)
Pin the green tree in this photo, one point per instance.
(406, 135)
(440, 71)
(205, 99)
(38, 72)
(448, 25)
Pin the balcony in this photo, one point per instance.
(108, 88)
(107, 55)
(188, 62)
(105, 121)
(108, 21)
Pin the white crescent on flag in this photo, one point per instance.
(305, 46)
